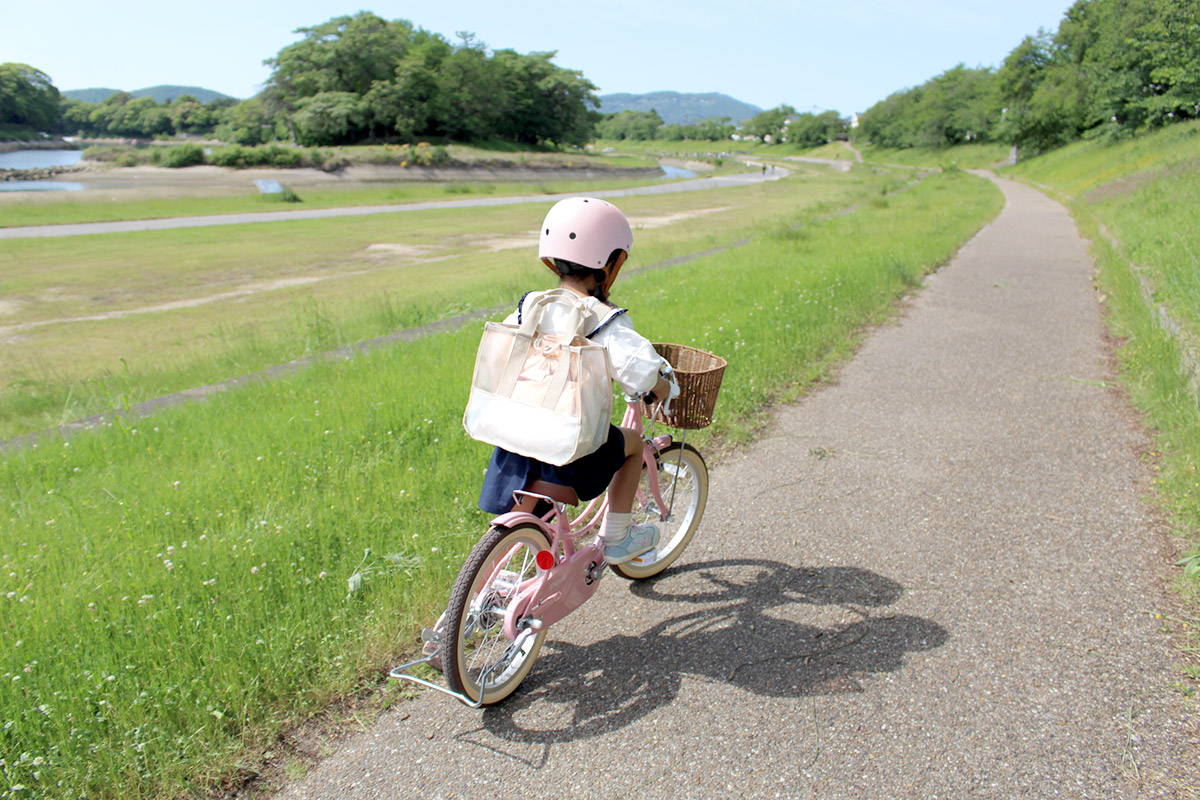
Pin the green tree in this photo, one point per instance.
(813, 130)
(76, 117)
(1044, 97)
(771, 124)
(546, 103)
(329, 118)
(412, 83)
(27, 97)
(635, 125)
(345, 54)
(248, 122)
(188, 115)
(471, 92)
(959, 105)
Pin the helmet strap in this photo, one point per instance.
(610, 274)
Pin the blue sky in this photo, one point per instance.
(811, 54)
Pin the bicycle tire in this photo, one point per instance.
(473, 641)
(682, 465)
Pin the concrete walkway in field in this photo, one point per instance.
(210, 220)
(935, 577)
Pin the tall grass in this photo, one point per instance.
(178, 589)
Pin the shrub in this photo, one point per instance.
(232, 156)
(240, 157)
(185, 155)
(426, 156)
(288, 195)
(274, 155)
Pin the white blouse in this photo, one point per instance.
(633, 360)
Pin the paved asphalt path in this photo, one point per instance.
(934, 578)
(130, 226)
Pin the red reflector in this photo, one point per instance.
(545, 559)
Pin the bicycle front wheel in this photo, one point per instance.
(683, 484)
(479, 660)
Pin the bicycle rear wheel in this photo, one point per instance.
(683, 482)
(479, 660)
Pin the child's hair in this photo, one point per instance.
(565, 267)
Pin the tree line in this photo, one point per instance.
(780, 124)
(348, 80)
(1112, 68)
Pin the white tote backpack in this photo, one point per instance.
(541, 394)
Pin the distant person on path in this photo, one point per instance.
(585, 241)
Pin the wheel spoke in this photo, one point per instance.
(483, 658)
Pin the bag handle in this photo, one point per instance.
(531, 315)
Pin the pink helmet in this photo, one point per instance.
(584, 231)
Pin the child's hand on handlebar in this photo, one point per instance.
(667, 388)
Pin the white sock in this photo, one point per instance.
(616, 526)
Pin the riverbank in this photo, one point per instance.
(38, 144)
(37, 174)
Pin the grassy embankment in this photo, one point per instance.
(988, 155)
(175, 588)
(713, 150)
(267, 294)
(1137, 203)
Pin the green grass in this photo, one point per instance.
(702, 148)
(1144, 193)
(177, 589)
(839, 151)
(1084, 166)
(988, 155)
(348, 280)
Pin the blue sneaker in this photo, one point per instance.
(637, 540)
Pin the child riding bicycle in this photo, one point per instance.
(585, 241)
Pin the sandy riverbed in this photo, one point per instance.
(151, 182)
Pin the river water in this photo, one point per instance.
(676, 172)
(39, 159)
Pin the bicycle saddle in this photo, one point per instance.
(555, 491)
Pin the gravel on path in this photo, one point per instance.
(934, 578)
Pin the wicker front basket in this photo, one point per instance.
(699, 374)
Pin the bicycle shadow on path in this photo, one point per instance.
(763, 626)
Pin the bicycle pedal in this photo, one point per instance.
(645, 558)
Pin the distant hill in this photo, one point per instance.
(676, 107)
(161, 94)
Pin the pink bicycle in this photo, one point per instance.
(529, 571)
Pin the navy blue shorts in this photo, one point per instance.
(588, 476)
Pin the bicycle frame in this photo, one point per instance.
(564, 585)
